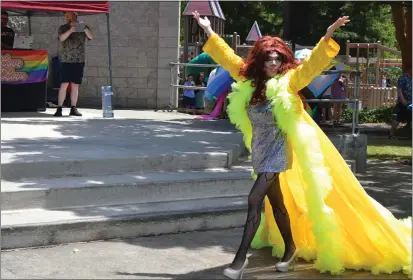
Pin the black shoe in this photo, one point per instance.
(75, 112)
(58, 112)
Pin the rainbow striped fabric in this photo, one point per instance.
(24, 66)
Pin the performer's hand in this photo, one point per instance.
(204, 23)
(73, 29)
(332, 28)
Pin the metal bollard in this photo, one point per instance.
(107, 101)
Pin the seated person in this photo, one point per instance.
(404, 92)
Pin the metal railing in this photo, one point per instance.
(174, 96)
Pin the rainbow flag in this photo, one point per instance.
(24, 66)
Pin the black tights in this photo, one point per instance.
(266, 184)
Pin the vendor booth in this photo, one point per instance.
(24, 72)
(23, 80)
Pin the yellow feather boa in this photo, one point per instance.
(287, 109)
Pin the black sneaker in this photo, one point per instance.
(58, 112)
(75, 112)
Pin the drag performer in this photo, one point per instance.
(315, 208)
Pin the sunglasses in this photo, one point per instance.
(270, 59)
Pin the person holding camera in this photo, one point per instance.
(72, 37)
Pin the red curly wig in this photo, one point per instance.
(253, 68)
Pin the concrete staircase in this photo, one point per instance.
(121, 197)
(41, 211)
(77, 180)
(143, 173)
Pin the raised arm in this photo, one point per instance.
(320, 57)
(219, 50)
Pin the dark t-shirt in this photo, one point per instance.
(405, 84)
(7, 36)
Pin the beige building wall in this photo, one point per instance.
(144, 38)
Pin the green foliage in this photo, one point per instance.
(181, 29)
(240, 16)
(380, 115)
(370, 21)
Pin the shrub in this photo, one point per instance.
(379, 115)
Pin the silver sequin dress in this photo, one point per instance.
(269, 143)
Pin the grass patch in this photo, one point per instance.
(389, 149)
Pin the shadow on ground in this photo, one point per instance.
(390, 183)
(261, 264)
(57, 140)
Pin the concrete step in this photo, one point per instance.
(97, 161)
(47, 148)
(40, 227)
(55, 193)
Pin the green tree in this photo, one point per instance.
(181, 31)
(240, 17)
(402, 17)
(370, 21)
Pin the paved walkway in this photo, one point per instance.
(196, 255)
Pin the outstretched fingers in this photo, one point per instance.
(196, 15)
(343, 20)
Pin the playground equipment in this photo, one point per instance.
(203, 58)
(218, 89)
(254, 34)
(373, 97)
(374, 54)
(194, 36)
(369, 58)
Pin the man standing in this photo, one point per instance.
(72, 56)
(7, 34)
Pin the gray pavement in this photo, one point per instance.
(196, 255)
(390, 183)
(34, 137)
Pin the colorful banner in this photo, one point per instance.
(322, 82)
(24, 66)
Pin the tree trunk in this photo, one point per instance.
(408, 42)
(402, 19)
